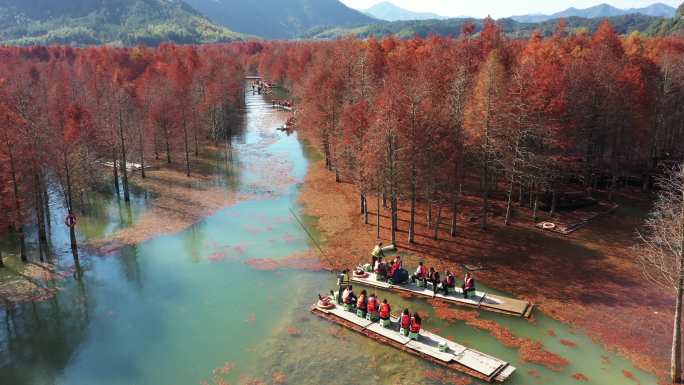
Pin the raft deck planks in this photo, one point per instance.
(480, 300)
(457, 357)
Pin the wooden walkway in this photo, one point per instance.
(456, 357)
(479, 300)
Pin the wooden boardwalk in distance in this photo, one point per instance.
(480, 300)
(455, 357)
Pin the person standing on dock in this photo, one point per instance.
(377, 252)
(433, 278)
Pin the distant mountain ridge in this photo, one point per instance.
(670, 27)
(390, 12)
(279, 19)
(601, 11)
(89, 22)
(624, 24)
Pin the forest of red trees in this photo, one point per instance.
(419, 120)
(425, 119)
(68, 112)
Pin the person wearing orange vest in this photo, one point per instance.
(361, 302)
(385, 310)
(405, 322)
(415, 323)
(372, 304)
(421, 272)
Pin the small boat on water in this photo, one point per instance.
(480, 300)
(428, 346)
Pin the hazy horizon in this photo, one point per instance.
(498, 8)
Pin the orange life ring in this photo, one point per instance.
(323, 305)
(360, 275)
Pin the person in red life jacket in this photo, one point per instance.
(385, 310)
(448, 282)
(372, 304)
(421, 273)
(415, 323)
(468, 284)
(405, 321)
(362, 302)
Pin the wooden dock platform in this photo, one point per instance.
(480, 300)
(456, 357)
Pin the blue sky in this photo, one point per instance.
(502, 8)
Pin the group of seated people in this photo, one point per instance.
(372, 309)
(423, 275)
(389, 270)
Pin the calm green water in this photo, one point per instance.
(175, 308)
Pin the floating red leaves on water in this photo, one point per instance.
(251, 319)
(550, 333)
(605, 360)
(299, 261)
(404, 294)
(293, 331)
(529, 351)
(225, 369)
(219, 381)
(278, 378)
(580, 377)
(630, 376)
(252, 381)
(446, 377)
(217, 256)
(434, 330)
(568, 343)
(240, 249)
(532, 351)
(533, 373)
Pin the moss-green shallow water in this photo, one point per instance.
(175, 308)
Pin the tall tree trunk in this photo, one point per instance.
(554, 202)
(676, 358)
(185, 143)
(412, 221)
(437, 221)
(393, 214)
(2, 263)
(168, 146)
(70, 208)
(454, 212)
(507, 219)
(124, 163)
(429, 212)
(115, 172)
(40, 216)
(535, 205)
(377, 215)
(142, 154)
(19, 219)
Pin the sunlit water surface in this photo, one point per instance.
(185, 308)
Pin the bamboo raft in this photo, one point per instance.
(456, 357)
(480, 300)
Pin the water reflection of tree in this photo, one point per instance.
(39, 339)
(130, 265)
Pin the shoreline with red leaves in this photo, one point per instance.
(588, 280)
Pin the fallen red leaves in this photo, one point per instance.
(293, 331)
(630, 376)
(568, 343)
(529, 350)
(580, 377)
(446, 377)
(225, 369)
